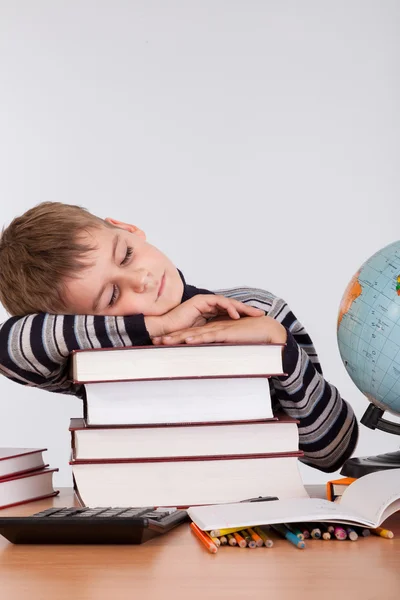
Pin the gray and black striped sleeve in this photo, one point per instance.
(328, 429)
(34, 349)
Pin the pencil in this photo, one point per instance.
(241, 542)
(219, 532)
(340, 533)
(265, 538)
(315, 532)
(205, 539)
(258, 540)
(231, 540)
(224, 540)
(249, 540)
(303, 529)
(331, 530)
(294, 530)
(293, 539)
(216, 541)
(324, 530)
(363, 531)
(385, 533)
(351, 534)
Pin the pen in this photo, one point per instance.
(260, 499)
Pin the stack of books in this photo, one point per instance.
(24, 476)
(181, 426)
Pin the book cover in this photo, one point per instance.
(15, 461)
(133, 363)
(336, 487)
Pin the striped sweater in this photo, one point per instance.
(34, 352)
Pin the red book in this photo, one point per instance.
(19, 489)
(187, 481)
(15, 461)
(183, 440)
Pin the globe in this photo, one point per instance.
(368, 329)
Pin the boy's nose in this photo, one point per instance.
(141, 280)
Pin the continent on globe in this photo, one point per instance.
(368, 328)
(352, 292)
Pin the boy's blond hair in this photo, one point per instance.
(38, 251)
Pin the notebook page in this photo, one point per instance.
(247, 514)
(371, 495)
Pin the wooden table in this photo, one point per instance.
(176, 566)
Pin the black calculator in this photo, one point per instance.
(84, 525)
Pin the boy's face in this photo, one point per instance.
(125, 275)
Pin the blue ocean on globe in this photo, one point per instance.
(369, 328)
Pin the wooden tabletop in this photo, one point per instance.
(177, 566)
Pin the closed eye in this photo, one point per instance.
(129, 252)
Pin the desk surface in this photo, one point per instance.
(176, 566)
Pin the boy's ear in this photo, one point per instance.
(127, 227)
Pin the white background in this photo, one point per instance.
(256, 143)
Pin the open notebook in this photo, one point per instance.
(369, 501)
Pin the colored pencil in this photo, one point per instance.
(303, 529)
(340, 533)
(219, 532)
(258, 540)
(241, 542)
(249, 540)
(294, 530)
(351, 534)
(214, 539)
(231, 540)
(205, 539)
(324, 530)
(385, 533)
(265, 538)
(289, 536)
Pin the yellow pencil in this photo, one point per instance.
(265, 538)
(216, 541)
(385, 533)
(219, 532)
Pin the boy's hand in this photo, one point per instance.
(195, 313)
(246, 330)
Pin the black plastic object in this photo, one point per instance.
(372, 418)
(107, 525)
(357, 467)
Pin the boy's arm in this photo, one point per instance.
(34, 349)
(328, 428)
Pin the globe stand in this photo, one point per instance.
(357, 467)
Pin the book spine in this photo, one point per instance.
(55, 493)
(112, 461)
